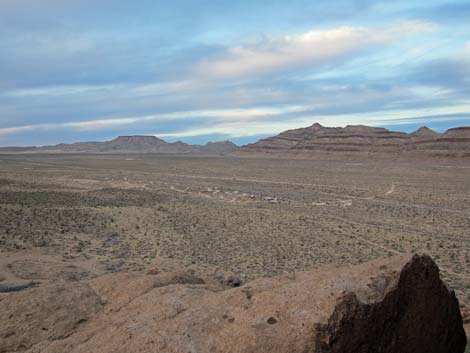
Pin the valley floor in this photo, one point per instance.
(248, 216)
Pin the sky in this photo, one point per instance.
(198, 71)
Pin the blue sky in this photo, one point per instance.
(191, 70)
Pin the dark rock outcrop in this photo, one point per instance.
(392, 305)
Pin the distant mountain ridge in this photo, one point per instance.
(129, 144)
(308, 141)
(359, 138)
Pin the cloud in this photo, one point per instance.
(449, 11)
(451, 72)
(445, 72)
(19, 129)
(235, 115)
(251, 122)
(83, 69)
(56, 91)
(256, 127)
(310, 49)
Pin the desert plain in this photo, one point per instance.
(76, 216)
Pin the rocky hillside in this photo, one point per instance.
(393, 305)
(308, 141)
(352, 138)
(453, 140)
(361, 139)
(424, 133)
(129, 144)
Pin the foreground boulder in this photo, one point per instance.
(393, 305)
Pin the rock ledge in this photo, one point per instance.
(392, 305)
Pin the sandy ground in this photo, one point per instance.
(251, 217)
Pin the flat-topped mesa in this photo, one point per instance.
(137, 138)
(391, 305)
(219, 147)
(133, 143)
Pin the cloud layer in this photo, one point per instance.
(84, 70)
(312, 49)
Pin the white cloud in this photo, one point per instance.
(309, 49)
(18, 129)
(100, 124)
(235, 115)
(376, 118)
(467, 46)
(134, 90)
(57, 91)
(254, 121)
